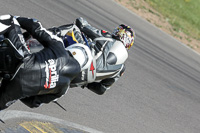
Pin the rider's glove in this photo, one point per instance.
(80, 23)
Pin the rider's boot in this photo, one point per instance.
(97, 88)
(13, 48)
(5, 23)
(10, 28)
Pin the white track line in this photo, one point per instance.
(12, 114)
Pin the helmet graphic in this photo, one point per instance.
(82, 54)
(125, 34)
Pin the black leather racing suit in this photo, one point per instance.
(45, 75)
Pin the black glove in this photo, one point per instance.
(81, 23)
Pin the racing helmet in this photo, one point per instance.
(125, 34)
(82, 54)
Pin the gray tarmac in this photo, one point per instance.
(159, 92)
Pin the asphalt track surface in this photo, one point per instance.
(159, 92)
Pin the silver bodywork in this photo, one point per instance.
(110, 65)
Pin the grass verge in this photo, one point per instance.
(179, 18)
(183, 15)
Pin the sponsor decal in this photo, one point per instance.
(21, 37)
(92, 69)
(83, 75)
(51, 74)
(104, 31)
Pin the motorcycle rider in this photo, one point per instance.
(32, 83)
(110, 54)
(45, 75)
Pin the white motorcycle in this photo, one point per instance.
(72, 38)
